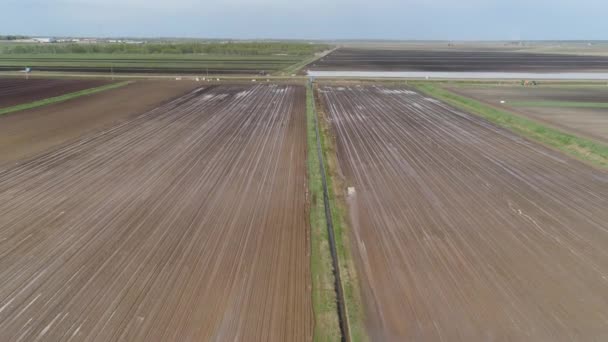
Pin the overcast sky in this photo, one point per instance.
(310, 19)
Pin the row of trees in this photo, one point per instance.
(12, 37)
(231, 48)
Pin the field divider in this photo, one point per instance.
(297, 67)
(340, 298)
(62, 98)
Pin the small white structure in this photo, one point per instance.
(351, 190)
(44, 40)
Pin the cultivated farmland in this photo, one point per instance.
(14, 91)
(25, 134)
(582, 110)
(239, 58)
(464, 231)
(187, 222)
(356, 59)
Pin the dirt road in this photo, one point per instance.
(464, 231)
(14, 91)
(187, 223)
(27, 133)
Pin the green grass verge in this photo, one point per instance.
(581, 148)
(62, 98)
(353, 302)
(558, 104)
(295, 68)
(327, 327)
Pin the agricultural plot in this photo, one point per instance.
(14, 91)
(26, 134)
(353, 59)
(464, 231)
(149, 64)
(580, 110)
(186, 223)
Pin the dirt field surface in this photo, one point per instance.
(464, 231)
(28, 133)
(14, 91)
(587, 122)
(186, 223)
(416, 60)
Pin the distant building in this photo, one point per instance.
(43, 40)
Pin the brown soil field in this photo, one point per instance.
(361, 59)
(14, 91)
(27, 133)
(588, 122)
(186, 223)
(464, 231)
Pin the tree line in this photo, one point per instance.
(12, 37)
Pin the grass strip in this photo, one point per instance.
(338, 206)
(579, 147)
(324, 301)
(62, 98)
(295, 68)
(558, 104)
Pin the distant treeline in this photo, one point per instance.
(230, 48)
(12, 37)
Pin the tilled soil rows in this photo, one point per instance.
(186, 223)
(587, 122)
(353, 59)
(26, 134)
(14, 91)
(464, 231)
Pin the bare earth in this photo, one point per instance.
(458, 60)
(28, 133)
(14, 91)
(587, 122)
(187, 223)
(464, 231)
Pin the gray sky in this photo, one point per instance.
(322, 19)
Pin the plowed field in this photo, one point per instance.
(464, 231)
(14, 91)
(186, 223)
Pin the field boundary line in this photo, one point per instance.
(575, 146)
(61, 98)
(341, 306)
(327, 326)
(295, 68)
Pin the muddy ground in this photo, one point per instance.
(464, 231)
(353, 59)
(186, 223)
(27, 133)
(14, 91)
(587, 122)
